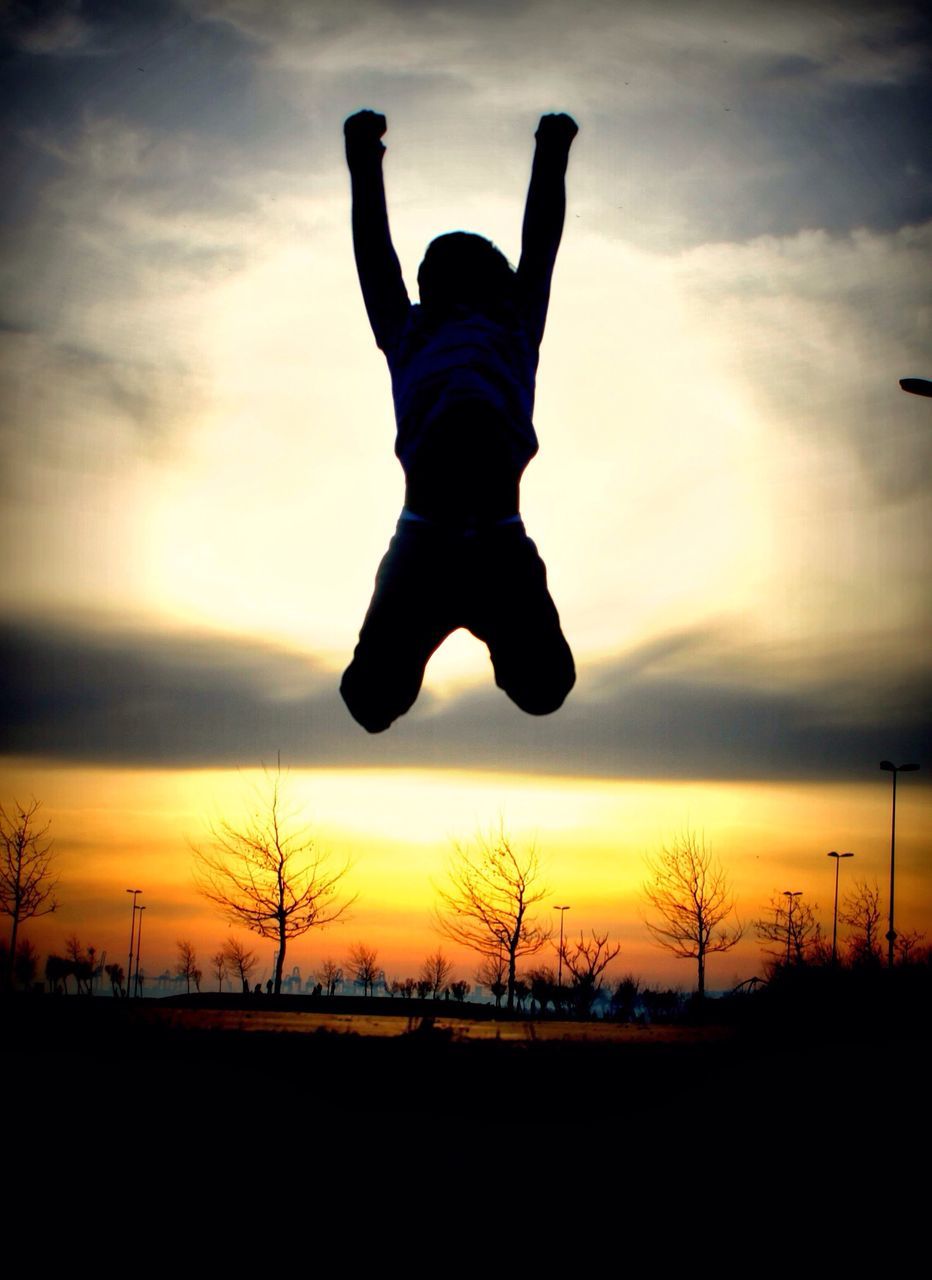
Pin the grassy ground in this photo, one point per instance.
(455, 1029)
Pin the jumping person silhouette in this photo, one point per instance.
(463, 367)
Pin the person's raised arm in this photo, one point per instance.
(383, 288)
(543, 216)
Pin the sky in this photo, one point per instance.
(731, 495)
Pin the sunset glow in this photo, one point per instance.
(398, 830)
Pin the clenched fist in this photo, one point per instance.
(559, 130)
(363, 132)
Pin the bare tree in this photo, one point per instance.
(493, 973)
(331, 975)
(625, 998)
(57, 972)
(910, 948)
(793, 930)
(27, 882)
(545, 988)
(689, 892)
(97, 966)
(436, 971)
(241, 959)
(362, 961)
(83, 965)
(488, 906)
(219, 963)
(587, 961)
(25, 964)
(115, 973)
(187, 963)
(270, 875)
(861, 911)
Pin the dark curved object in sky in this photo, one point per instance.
(918, 386)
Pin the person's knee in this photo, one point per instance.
(375, 703)
(540, 701)
(374, 719)
(539, 693)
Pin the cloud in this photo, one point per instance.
(742, 122)
(685, 706)
(110, 403)
(818, 327)
(143, 140)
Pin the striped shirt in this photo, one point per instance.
(465, 358)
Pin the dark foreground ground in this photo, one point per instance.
(259, 1123)
(170, 1064)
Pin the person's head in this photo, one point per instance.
(463, 268)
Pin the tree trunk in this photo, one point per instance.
(11, 958)
(279, 968)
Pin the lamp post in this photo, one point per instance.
(889, 767)
(138, 949)
(132, 933)
(560, 960)
(838, 857)
(790, 894)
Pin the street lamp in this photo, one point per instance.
(560, 960)
(889, 767)
(132, 933)
(138, 949)
(838, 857)
(918, 386)
(791, 894)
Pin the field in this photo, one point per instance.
(454, 1029)
(210, 1095)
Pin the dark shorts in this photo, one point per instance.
(433, 581)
